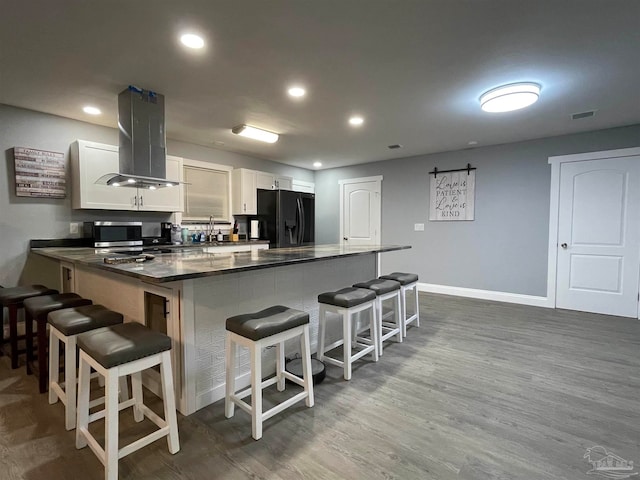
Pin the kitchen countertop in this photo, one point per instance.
(194, 261)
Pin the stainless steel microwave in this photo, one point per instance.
(113, 234)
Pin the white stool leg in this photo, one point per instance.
(83, 402)
(280, 365)
(230, 387)
(169, 402)
(321, 330)
(70, 381)
(415, 294)
(306, 366)
(378, 312)
(111, 424)
(403, 311)
(256, 391)
(346, 332)
(138, 396)
(54, 367)
(373, 331)
(399, 322)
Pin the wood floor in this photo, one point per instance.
(481, 390)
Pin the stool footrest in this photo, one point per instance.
(143, 442)
(100, 415)
(284, 405)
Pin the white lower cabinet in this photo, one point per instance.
(91, 160)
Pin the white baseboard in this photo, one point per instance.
(506, 297)
(217, 393)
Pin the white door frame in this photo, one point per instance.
(554, 206)
(348, 181)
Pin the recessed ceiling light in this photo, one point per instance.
(297, 92)
(131, 180)
(255, 133)
(115, 184)
(510, 97)
(151, 187)
(356, 121)
(472, 142)
(169, 184)
(191, 40)
(317, 164)
(91, 110)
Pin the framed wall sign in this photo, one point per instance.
(452, 194)
(40, 173)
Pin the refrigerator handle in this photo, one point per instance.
(299, 214)
(303, 221)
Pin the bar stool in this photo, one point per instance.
(255, 331)
(408, 281)
(114, 352)
(37, 309)
(348, 302)
(64, 326)
(12, 298)
(386, 290)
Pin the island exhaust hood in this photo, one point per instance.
(142, 150)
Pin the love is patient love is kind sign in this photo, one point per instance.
(452, 195)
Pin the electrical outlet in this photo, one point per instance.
(73, 228)
(418, 227)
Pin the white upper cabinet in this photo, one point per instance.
(91, 160)
(246, 182)
(244, 197)
(168, 199)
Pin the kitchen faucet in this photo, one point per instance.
(211, 228)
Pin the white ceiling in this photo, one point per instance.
(413, 68)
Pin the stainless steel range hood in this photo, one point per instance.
(142, 149)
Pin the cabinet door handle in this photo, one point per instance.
(244, 207)
(135, 201)
(141, 202)
(166, 308)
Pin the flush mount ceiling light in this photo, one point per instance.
(297, 92)
(191, 40)
(91, 110)
(510, 97)
(356, 121)
(255, 133)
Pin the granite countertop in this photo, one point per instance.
(195, 261)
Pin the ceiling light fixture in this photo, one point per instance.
(317, 164)
(91, 110)
(191, 40)
(356, 121)
(255, 133)
(297, 92)
(510, 97)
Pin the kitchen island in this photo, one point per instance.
(190, 292)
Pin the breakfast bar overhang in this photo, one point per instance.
(200, 290)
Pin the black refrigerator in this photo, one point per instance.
(286, 218)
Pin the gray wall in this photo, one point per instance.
(505, 248)
(22, 219)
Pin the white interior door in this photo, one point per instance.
(361, 210)
(599, 236)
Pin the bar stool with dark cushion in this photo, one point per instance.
(348, 302)
(12, 298)
(37, 309)
(408, 281)
(386, 290)
(64, 326)
(255, 331)
(114, 352)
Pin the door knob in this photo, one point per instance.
(564, 245)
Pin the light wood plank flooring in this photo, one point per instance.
(482, 390)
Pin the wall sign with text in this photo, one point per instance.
(452, 195)
(40, 173)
